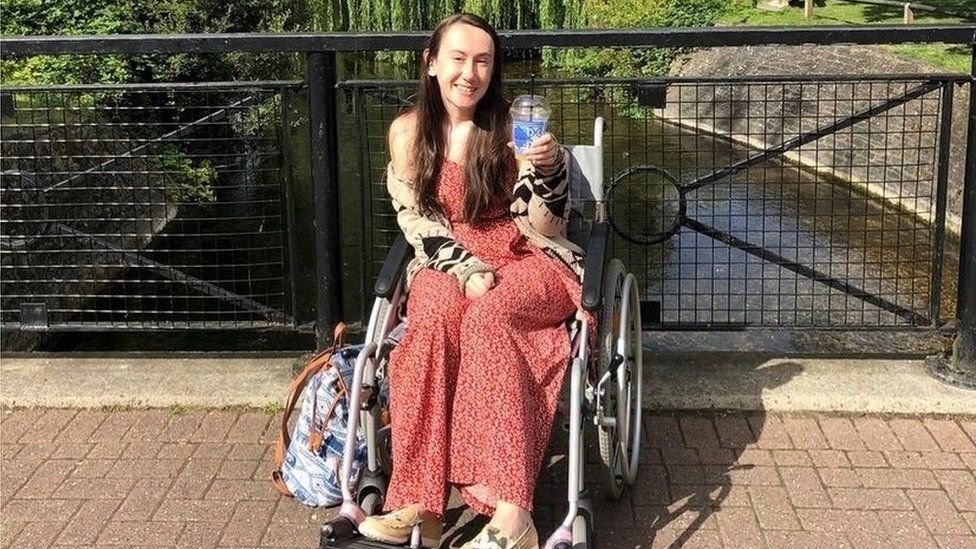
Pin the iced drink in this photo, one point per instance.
(530, 113)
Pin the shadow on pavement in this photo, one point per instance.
(687, 465)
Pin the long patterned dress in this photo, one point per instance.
(474, 383)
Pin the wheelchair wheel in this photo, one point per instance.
(619, 427)
(381, 359)
(613, 279)
(634, 376)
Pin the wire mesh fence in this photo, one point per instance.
(145, 206)
(768, 202)
(773, 202)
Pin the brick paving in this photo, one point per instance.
(156, 478)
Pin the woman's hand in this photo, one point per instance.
(543, 153)
(478, 285)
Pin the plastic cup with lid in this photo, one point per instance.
(530, 115)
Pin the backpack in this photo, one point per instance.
(308, 463)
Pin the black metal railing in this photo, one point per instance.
(713, 211)
(760, 201)
(146, 206)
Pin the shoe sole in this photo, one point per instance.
(380, 536)
(392, 540)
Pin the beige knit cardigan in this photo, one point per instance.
(540, 208)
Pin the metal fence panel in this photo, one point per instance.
(153, 206)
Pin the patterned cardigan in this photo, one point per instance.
(540, 208)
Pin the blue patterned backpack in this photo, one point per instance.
(308, 462)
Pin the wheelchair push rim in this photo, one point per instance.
(633, 374)
(619, 378)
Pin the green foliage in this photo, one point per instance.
(258, 120)
(611, 14)
(61, 17)
(184, 181)
(70, 17)
(28, 17)
(841, 12)
(653, 13)
(574, 14)
(273, 408)
(551, 13)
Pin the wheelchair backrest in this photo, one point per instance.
(586, 175)
(586, 185)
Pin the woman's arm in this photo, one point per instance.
(432, 240)
(541, 194)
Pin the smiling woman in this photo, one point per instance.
(460, 81)
(462, 67)
(493, 282)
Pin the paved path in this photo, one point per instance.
(199, 479)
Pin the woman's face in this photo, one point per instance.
(463, 66)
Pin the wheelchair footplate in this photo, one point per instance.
(358, 542)
(342, 535)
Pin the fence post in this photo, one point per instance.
(320, 73)
(960, 369)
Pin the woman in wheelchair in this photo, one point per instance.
(494, 281)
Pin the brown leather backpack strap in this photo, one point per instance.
(295, 389)
(317, 435)
(294, 393)
(339, 335)
(279, 484)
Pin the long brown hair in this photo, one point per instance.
(489, 160)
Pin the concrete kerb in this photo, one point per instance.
(745, 381)
(673, 381)
(144, 382)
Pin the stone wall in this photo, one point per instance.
(891, 155)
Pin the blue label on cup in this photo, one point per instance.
(526, 131)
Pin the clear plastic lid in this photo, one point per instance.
(535, 106)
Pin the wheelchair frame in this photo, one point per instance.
(605, 391)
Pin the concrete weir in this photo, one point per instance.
(879, 158)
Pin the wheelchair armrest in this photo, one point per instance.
(596, 247)
(401, 252)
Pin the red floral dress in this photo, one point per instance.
(474, 383)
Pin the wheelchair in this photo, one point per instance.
(604, 377)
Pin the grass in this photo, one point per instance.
(836, 12)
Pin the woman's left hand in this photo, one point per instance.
(543, 153)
